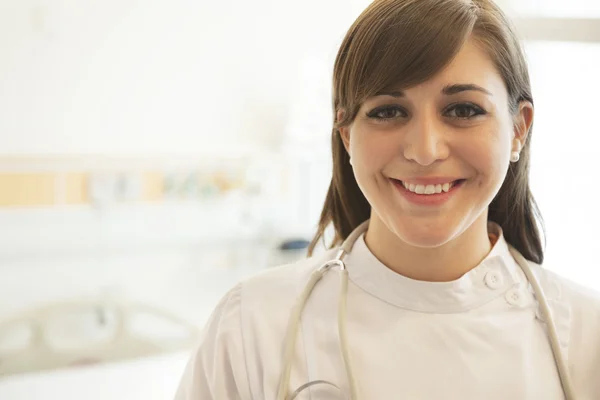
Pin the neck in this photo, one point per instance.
(444, 263)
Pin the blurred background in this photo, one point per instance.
(153, 153)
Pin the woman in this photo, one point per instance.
(433, 115)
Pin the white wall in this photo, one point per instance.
(152, 76)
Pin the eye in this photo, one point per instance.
(387, 113)
(464, 111)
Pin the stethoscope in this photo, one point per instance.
(294, 321)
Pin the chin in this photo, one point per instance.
(423, 235)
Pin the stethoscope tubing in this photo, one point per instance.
(315, 277)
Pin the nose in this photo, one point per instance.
(425, 142)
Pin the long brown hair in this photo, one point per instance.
(400, 43)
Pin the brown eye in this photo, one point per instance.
(387, 113)
(464, 111)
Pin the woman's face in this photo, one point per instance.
(454, 129)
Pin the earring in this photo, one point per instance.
(514, 156)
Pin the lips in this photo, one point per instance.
(438, 182)
(425, 197)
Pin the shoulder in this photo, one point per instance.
(583, 301)
(576, 312)
(270, 292)
(282, 283)
(237, 340)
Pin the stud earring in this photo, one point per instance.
(514, 156)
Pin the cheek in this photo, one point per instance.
(372, 151)
(488, 157)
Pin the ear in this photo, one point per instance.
(523, 122)
(344, 131)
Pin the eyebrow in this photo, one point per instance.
(448, 90)
(454, 89)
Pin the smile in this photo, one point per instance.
(430, 189)
(428, 195)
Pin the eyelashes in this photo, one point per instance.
(386, 113)
(456, 111)
(472, 110)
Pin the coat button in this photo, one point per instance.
(514, 297)
(493, 280)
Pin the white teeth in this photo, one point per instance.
(428, 189)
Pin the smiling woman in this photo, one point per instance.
(436, 288)
(462, 86)
(458, 129)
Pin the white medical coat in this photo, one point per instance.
(479, 337)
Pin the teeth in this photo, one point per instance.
(428, 189)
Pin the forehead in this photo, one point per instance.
(472, 65)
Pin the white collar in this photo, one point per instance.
(495, 275)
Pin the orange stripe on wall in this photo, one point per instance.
(26, 189)
(20, 189)
(76, 188)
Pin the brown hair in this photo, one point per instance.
(400, 43)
